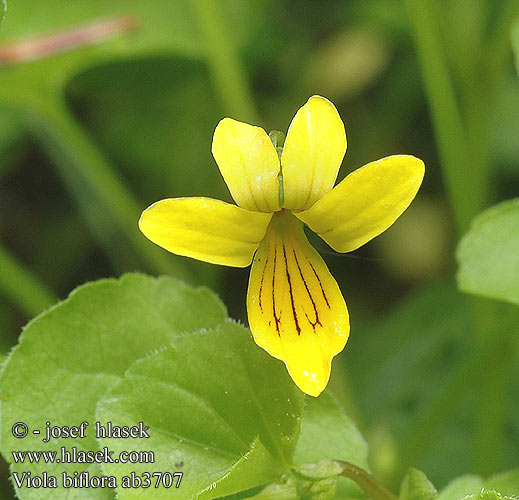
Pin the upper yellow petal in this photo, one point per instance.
(205, 229)
(296, 310)
(312, 154)
(366, 202)
(249, 164)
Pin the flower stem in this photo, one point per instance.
(366, 481)
(22, 287)
(222, 55)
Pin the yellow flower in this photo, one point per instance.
(295, 308)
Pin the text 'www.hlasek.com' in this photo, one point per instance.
(79, 474)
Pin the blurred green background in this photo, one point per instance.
(92, 135)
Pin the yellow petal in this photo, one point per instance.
(312, 154)
(249, 164)
(205, 229)
(296, 310)
(366, 202)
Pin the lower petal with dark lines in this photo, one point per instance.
(295, 307)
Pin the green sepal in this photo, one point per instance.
(416, 486)
(319, 471)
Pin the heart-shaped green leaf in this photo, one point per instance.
(69, 356)
(220, 410)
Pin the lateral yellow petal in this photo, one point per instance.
(366, 202)
(295, 308)
(205, 229)
(312, 154)
(248, 163)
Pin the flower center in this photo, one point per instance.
(278, 139)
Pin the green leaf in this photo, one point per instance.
(328, 433)
(416, 486)
(475, 488)
(461, 487)
(69, 356)
(220, 410)
(488, 254)
(506, 483)
(488, 495)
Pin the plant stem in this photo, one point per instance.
(22, 287)
(465, 177)
(228, 74)
(366, 481)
